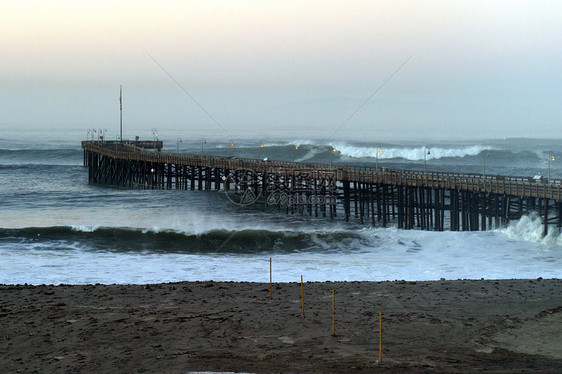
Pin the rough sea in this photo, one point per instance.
(56, 228)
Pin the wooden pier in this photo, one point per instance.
(375, 196)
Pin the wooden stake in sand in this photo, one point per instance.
(302, 296)
(333, 312)
(270, 279)
(380, 337)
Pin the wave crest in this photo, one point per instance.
(411, 154)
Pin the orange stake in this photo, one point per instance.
(333, 312)
(302, 296)
(380, 337)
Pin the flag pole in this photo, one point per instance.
(121, 113)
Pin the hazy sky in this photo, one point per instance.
(479, 68)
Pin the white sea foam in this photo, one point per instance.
(304, 142)
(412, 154)
(83, 228)
(530, 228)
(309, 154)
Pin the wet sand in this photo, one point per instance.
(442, 326)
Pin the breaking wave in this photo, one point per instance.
(123, 239)
(411, 154)
(530, 228)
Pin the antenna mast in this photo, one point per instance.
(121, 113)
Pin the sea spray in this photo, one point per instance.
(530, 228)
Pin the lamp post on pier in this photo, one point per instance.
(377, 162)
(551, 158)
(334, 150)
(425, 153)
(178, 145)
(293, 153)
(203, 142)
(484, 164)
(259, 149)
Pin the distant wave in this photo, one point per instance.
(411, 154)
(308, 149)
(310, 153)
(213, 241)
(55, 151)
(63, 156)
(313, 148)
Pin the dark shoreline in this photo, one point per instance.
(437, 326)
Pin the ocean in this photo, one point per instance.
(56, 228)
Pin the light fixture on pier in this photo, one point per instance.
(334, 150)
(231, 147)
(425, 153)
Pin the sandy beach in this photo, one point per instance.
(441, 326)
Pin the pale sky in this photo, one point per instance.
(480, 69)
